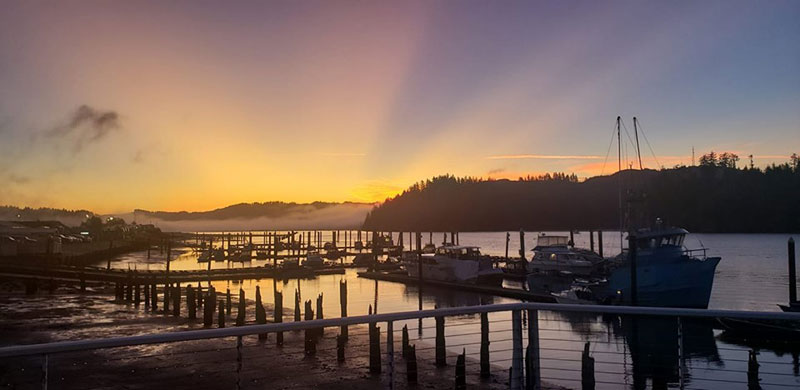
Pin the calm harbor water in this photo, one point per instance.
(751, 276)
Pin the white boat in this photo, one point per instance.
(553, 254)
(454, 263)
(313, 260)
(291, 262)
(205, 256)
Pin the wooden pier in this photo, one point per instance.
(474, 288)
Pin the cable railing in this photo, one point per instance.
(489, 346)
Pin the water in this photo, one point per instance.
(751, 276)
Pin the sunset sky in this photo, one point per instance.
(174, 105)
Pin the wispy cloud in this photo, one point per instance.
(343, 154)
(86, 125)
(541, 157)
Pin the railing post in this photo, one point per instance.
(45, 357)
(238, 359)
(516, 345)
(390, 351)
(681, 360)
(534, 378)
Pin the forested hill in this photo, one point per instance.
(700, 199)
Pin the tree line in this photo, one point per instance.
(715, 196)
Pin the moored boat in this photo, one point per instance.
(667, 274)
(554, 254)
(454, 263)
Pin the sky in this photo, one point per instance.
(177, 105)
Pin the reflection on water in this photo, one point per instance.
(632, 353)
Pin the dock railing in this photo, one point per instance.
(531, 350)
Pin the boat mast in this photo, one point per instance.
(636, 134)
(619, 173)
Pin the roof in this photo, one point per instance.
(648, 233)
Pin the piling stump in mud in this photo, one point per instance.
(221, 315)
(411, 365)
(279, 314)
(587, 369)
(191, 302)
(340, 342)
(240, 313)
(310, 334)
(485, 368)
(228, 304)
(261, 313)
(343, 303)
(441, 351)
(461, 371)
(176, 300)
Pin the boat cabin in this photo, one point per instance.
(545, 241)
(652, 239)
(459, 252)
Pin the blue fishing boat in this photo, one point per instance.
(667, 274)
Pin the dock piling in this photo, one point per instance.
(587, 369)
(191, 302)
(441, 351)
(242, 308)
(176, 300)
(340, 341)
(279, 314)
(485, 367)
(221, 315)
(310, 334)
(343, 303)
(461, 371)
(405, 344)
(374, 348)
(261, 314)
(752, 372)
(411, 365)
(228, 304)
(792, 273)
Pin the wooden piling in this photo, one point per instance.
(591, 240)
(320, 331)
(461, 371)
(261, 313)
(137, 293)
(176, 300)
(522, 244)
(242, 308)
(600, 243)
(441, 351)
(279, 314)
(411, 365)
(310, 334)
(296, 305)
(343, 303)
(752, 372)
(167, 291)
(405, 343)
(221, 315)
(485, 367)
(153, 297)
(228, 303)
(191, 302)
(207, 311)
(129, 290)
(374, 348)
(146, 288)
(587, 369)
(340, 342)
(792, 272)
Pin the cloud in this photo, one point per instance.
(375, 191)
(495, 171)
(541, 157)
(86, 125)
(18, 179)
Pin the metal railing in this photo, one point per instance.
(525, 363)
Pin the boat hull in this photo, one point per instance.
(686, 283)
(453, 270)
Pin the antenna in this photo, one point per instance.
(636, 135)
(692, 155)
(619, 173)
